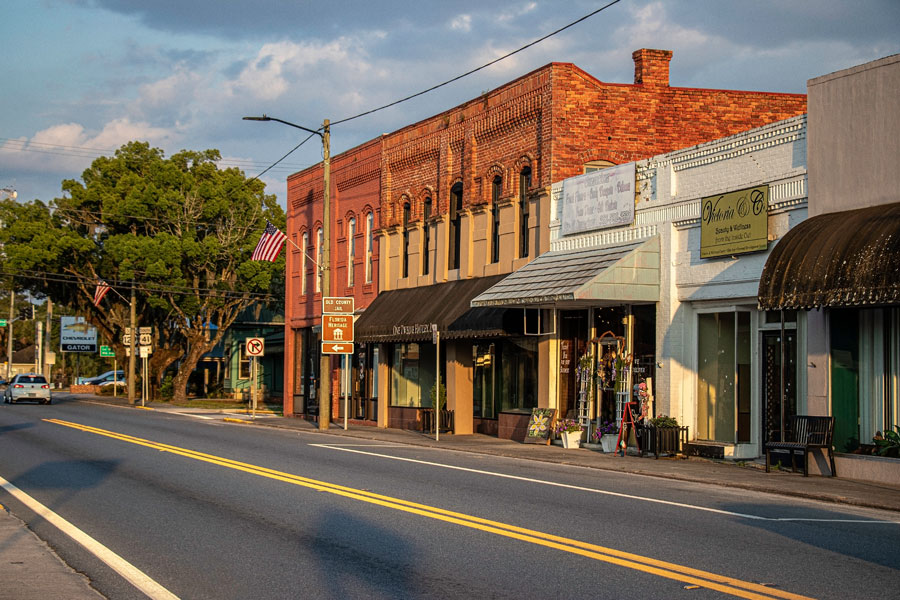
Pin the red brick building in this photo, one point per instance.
(462, 196)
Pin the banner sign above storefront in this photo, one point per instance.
(734, 223)
(597, 200)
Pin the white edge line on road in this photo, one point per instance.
(121, 566)
(343, 448)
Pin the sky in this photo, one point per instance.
(80, 78)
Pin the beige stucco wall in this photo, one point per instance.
(854, 137)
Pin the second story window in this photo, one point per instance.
(524, 185)
(426, 237)
(370, 226)
(456, 204)
(405, 240)
(496, 190)
(320, 250)
(304, 248)
(351, 252)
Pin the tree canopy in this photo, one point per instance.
(179, 229)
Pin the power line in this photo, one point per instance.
(475, 70)
(153, 288)
(449, 81)
(11, 144)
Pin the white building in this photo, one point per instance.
(682, 308)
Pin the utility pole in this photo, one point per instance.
(9, 332)
(325, 361)
(325, 366)
(131, 357)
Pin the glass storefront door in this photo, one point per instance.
(723, 376)
(772, 382)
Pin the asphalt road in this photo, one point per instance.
(207, 509)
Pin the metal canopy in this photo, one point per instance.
(618, 274)
(849, 258)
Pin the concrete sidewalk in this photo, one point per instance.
(31, 570)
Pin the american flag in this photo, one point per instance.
(102, 289)
(269, 244)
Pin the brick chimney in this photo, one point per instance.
(651, 67)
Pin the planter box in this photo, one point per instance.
(571, 439)
(608, 442)
(662, 440)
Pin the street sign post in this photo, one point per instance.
(337, 335)
(338, 306)
(337, 328)
(255, 346)
(337, 348)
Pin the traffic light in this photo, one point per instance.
(26, 312)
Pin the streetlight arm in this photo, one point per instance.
(288, 123)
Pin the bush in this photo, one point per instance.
(166, 389)
(663, 421)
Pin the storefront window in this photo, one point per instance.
(412, 375)
(865, 376)
(485, 377)
(518, 384)
(723, 375)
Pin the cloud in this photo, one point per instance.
(461, 23)
(279, 66)
(68, 147)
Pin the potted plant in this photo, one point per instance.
(608, 435)
(569, 431)
(889, 443)
(663, 435)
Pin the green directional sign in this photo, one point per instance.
(106, 351)
(2, 322)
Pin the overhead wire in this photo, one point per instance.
(120, 286)
(475, 70)
(454, 79)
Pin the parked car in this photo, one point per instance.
(108, 378)
(27, 386)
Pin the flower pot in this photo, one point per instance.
(608, 442)
(571, 439)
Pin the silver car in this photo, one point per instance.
(27, 386)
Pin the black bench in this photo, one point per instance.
(805, 433)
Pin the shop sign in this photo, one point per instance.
(734, 223)
(417, 329)
(597, 200)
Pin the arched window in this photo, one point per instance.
(597, 165)
(496, 190)
(405, 239)
(351, 251)
(370, 226)
(524, 185)
(426, 241)
(320, 250)
(456, 204)
(304, 248)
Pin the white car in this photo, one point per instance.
(27, 386)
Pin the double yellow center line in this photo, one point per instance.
(687, 575)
